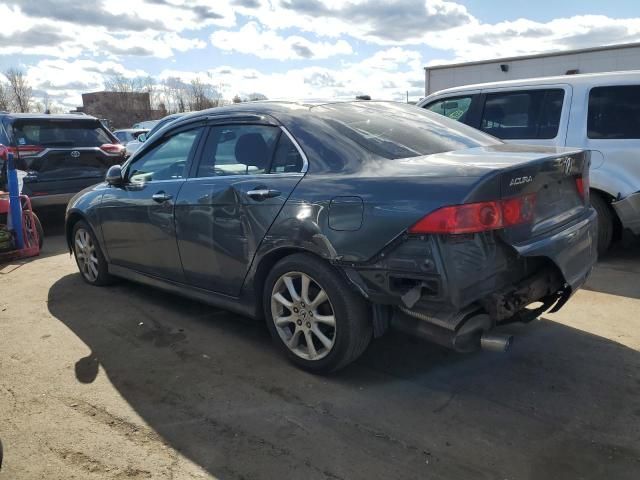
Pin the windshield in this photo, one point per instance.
(395, 130)
(60, 133)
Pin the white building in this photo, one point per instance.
(588, 60)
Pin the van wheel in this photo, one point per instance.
(605, 222)
(313, 315)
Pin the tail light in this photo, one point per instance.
(582, 185)
(478, 217)
(20, 150)
(113, 149)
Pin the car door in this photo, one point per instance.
(246, 172)
(138, 218)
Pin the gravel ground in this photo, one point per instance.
(126, 382)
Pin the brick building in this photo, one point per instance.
(122, 109)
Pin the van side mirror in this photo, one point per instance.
(114, 176)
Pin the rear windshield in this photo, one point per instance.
(60, 133)
(395, 130)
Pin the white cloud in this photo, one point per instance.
(254, 40)
(521, 37)
(64, 80)
(104, 29)
(388, 74)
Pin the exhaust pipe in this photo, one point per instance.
(495, 342)
(473, 334)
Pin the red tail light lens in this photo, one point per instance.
(113, 148)
(27, 150)
(582, 185)
(518, 210)
(20, 151)
(478, 217)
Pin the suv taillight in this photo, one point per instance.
(20, 151)
(113, 148)
(478, 217)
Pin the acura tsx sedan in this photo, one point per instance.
(337, 221)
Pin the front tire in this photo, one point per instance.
(89, 258)
(315, 318)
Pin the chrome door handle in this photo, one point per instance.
(161, 197)
(263, 193)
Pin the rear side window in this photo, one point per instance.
(60, 133)
(524, 114)
(455, 108)
(287, 158)
(614, 112)
(394, 130)
(124, 137)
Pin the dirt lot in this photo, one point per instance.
(128, 383)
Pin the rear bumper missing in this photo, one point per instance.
(628, 210)
(433, 285)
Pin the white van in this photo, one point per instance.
(599, 112)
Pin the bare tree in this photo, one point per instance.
(202, 95)
(5, 96)
(127, 108)
(173, 93)
(236, 99)
(46, 103)
(21, 92)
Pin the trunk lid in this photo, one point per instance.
(553, 179)
(558, 187)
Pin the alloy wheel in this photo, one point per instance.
(86, 255)
(303, 316)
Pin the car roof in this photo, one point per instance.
(269, 107)
(577, 79)
(45, 116)
(272, 108)
(129, 130)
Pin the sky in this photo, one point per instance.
(289, 48)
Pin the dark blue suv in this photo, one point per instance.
(60, 154)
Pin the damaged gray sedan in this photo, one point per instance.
(337, 221)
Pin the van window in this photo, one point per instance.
(454, 107)
(523, 114)
(614, 112)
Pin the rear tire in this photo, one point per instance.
(605, 222)
(89, 258)
(305, 300)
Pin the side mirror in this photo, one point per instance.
(450, 105)
(142, 137)
(114, 176)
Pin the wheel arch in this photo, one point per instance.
(74, 217)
